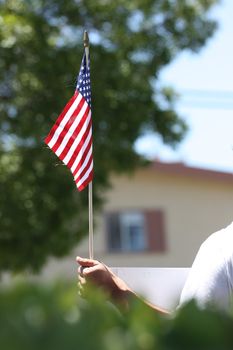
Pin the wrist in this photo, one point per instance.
(120, 291)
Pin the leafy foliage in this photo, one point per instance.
(34, 317)
(40, 52)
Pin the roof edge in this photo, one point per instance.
(180, 168)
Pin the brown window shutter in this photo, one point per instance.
(113, 231)
(155, 230)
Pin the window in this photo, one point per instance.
(132, 229)
(135, 231)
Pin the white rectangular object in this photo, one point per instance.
(160, 286)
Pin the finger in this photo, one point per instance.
(82, 281)
(84, 271)
(80, 290)
(86, 262)
(80, 270)
(92, 269)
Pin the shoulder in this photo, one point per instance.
(220, 242)
(211, 273)
(215, 252)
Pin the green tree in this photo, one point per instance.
(38, 317)
(41, 213)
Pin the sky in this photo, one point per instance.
(204, 82)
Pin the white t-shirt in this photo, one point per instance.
(210, 280)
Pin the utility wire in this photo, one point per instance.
(211, 93)
(208, 99)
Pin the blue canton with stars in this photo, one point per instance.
(84, 81)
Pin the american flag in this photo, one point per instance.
(71, 136)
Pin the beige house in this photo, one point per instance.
(159, 215)
(155, 217)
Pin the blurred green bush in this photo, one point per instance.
(54, 317)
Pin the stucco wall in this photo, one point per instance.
(194, 207)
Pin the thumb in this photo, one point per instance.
(86, 262)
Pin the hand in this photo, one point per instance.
(100, 275)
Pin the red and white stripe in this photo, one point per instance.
(71, 139)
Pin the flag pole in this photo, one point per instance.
(90, 195)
